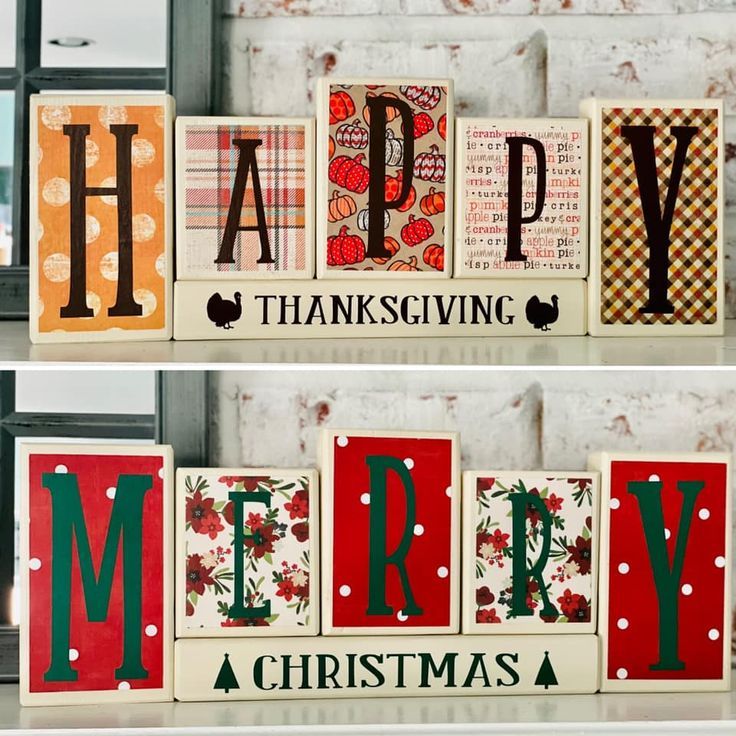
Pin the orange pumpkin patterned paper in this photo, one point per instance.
(100, 170)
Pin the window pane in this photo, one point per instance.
(84, 33)
(7, 124)
(7, 33)
(86, 392)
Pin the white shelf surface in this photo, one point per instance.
(17, 351)
(517, 715)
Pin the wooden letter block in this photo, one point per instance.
(530, 558)
(521, 188)
(245, 198)
(247, 561)
(665, 575)
(101, 218)
(384, 178)
(384, 666)
(656, 217)
(390, 532)
(96, 545)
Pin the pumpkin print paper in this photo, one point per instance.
(100, 220)
(405, 178)
(268, 517)
(530, 552)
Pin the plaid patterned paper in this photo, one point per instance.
(211, 162)
(694, 235)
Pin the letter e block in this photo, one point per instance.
(665, 575)
(656, 217)
(96, 543)
(390, 532)
(247, 559)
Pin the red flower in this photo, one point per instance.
(286, 589)
(581, 483)
(487, 616)
(580, 553)
(498, 540)
(262, 539)
(553, 503)
(231, 480)
(483, 596)
(197, 575)
(484, 484)
(298, 507)
(250, 482)
(211, 525)
(254, 521)
(301, 531)
(532, 513)
(574, 606)
(190, 609)
(244, 622)
(197, 508)
(481, 538)
(228, 513)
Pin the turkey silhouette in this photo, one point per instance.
(540, 314)
(222, 311)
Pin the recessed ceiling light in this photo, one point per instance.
(71, 42)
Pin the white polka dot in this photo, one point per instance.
(57, 267)
(56, 192)
(94, 302)
(161, 472)
(667, 533)
(109, 182)
(161, 265)
(151, 630)
(34, 563)
(73, 655)
(345, 591)
(342, 441)
(159, 190)
(418, 530)
(720, 561)
(622, 673)
(622, 623)
(112, 115)
(409, 463)
(110, 492)
(448, 491)
(143, 152)
(92, 229)
(61, 469)
(687, 589)
(55, 117)
(653, 478)
(144, 227)
(442, 572)
(365, 498)
(147, 299)
(123, 685)
(614, 503)
(714, 634)
(623, 568)
(704, 514)
(41, 307)
(109, 266)
(92, 153)
(401, 616)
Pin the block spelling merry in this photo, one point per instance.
(656, 227)
(95, 560)
(100, 219)
(384, 178)
(247, 552)
(665, 585)
(521, 189)
(390, 532)
(245, 197)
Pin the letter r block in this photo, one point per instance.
(390, 532)
(656, 217)
(101, 217)
(96, 543)
(665, 573)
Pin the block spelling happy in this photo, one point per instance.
(96, 571)
(521, 193)
(665, 580)
(530, 552)
(656, 217)
(245, 198)
(384, 178)
(247, 560)
(390, 532)
(101, 211)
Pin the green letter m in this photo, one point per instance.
(126, 522)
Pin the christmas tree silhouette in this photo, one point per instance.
(546, 675)
(226, 679)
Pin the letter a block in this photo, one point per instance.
(665, 579)
(390, 532)
(247, 561)
(656, 217)
(101, 218)
(521, 192)
(96, 546)
(245, 198)
(530, 552)
(384, 178)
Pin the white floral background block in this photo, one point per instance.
(280, 563)
(569, 573)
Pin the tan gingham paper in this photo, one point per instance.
(693, 249)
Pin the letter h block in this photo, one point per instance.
(101, 216)
(384, 178)
(665, 575)
(656, 217)
(96, 550)
(247, 553)
(390, 532)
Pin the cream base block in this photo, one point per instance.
(211, 310)
(326, 667)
